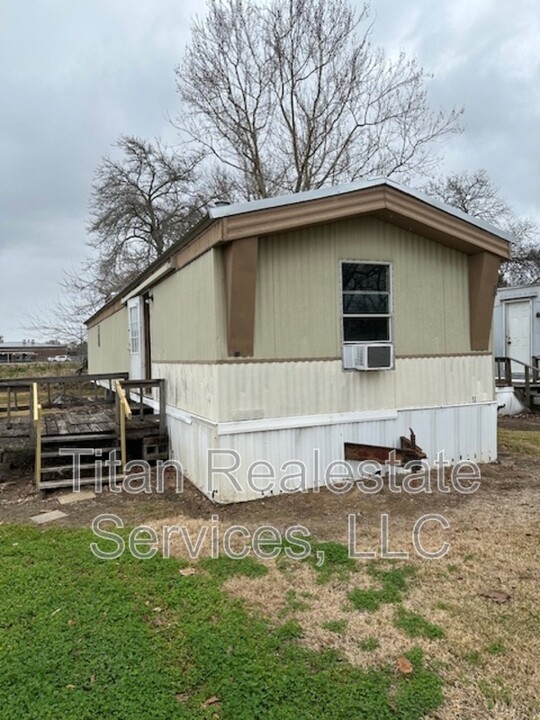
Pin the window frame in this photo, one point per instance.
(389, 315)
(135, 325)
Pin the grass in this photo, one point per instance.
(393, 585)
(416, 626)
(124, 639)
(14, 371)
(293, 603)
(520, 442)
(224, 567)
(474, 658)
(496, 648)
(335, 626)
(331, 559)
(369, 644)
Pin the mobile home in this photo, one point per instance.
(287, 327)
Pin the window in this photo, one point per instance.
(366, 302)
(134, 328)
(99, 335)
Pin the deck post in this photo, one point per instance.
(528, 387)
(38, 449)
(508, 371)
(36, 424)
(31, 412)
(162, 407)
(123, 452)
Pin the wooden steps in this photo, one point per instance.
(57, 469)
(89, 480)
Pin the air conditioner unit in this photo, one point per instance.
(368, 356)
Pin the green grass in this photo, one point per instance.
(82, 639)
(393, 586)
(414, 625)
(224, 567)
(496, 648)
(335, 626)
(293, 603)
(474, 658)
(331, 559)
(369, 644)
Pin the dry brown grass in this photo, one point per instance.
(489, 659)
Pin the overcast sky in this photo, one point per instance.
(74, 75)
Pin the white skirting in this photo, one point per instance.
(461, 432)
(508, 403)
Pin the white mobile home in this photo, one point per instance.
(289, 326)
(516, 323)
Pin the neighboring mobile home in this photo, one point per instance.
(289, 326)
(516, 323)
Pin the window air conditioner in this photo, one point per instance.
(368, 356)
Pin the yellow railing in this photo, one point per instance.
(124, 411)
(36, 422)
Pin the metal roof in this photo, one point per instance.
(223, 211)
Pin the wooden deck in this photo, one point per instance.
(130, 421)
(82, 420)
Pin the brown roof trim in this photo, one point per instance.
(196, 230)
(381, 199)
(386, 202)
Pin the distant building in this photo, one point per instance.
(16, 352)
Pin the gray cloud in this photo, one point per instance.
(76, 75)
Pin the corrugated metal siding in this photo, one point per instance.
(184, 314)
(262, 390)
(298, 290)
(111, 353)
(190, 387)
(466, 432)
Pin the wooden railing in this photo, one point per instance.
(18, 399)
(100, 386)
(522, 383)
(36, 425)
(147, 393)
(123, 412)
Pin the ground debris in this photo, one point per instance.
(404, 665)
(497, 596)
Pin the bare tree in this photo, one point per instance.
(292, 95)
(475, 194)
(140, 204)
(63, 321)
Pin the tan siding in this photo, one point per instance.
(265, 390)
(298, 293)
(184, 314)
(190, 387)
(112, 352)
